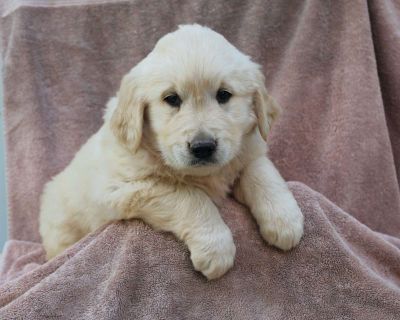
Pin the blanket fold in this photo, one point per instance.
(341, 270)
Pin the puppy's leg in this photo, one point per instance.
(58, 229)
(192, 217)
(57, 238)
(263, 190)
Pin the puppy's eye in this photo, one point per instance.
(223, 96)
(173, 100)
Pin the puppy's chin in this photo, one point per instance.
(201, 170)
(196, 168)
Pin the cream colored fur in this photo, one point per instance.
(138, 164)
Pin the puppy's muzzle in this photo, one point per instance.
(203, 148)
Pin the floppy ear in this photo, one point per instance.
(127, 119)
(265, 107)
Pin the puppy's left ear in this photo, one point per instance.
(127, 119)
(265, 107)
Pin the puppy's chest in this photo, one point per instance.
(217, 186)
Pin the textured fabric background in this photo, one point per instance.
(333, 66)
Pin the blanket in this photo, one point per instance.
(332, 65)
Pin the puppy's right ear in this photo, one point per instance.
(127, 119)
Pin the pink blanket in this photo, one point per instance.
(334, 66)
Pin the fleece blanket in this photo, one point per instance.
(332, 65)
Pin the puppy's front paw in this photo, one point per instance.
(284, 226)
(213, 256)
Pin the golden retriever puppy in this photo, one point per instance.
(188, 125)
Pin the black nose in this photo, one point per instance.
(202, 148)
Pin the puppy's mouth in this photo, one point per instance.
(202, 159)
(203, 162)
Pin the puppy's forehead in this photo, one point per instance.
(197, 58)
(194, 43)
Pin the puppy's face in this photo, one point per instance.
(199, 96)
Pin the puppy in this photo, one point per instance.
(188, 125)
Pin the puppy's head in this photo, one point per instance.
(199, 95)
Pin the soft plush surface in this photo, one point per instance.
(334, 67)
